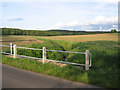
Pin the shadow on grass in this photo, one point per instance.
(104, 70)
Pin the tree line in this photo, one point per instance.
(14, 31)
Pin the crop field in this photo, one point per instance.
(19, 40)
(23, 40)
(104, 49)
(83, 38)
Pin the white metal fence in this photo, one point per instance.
(13, 51)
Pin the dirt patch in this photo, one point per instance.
(58, 64)
(9, 56)
(19, 40)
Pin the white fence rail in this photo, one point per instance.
(13, 51)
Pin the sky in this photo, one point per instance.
(77, 15)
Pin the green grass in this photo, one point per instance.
(115, 33)
(104, 70)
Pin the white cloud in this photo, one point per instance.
(114, 26)
(98, 23)
(73, 23)
(60, 24)
(103, 20)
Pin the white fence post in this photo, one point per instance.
(11, 48)
(44, 55)
(87, 60)
(15, 51)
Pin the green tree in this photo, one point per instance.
(113, 30)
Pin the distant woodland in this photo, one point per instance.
(14, 31)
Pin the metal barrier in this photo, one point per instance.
(13, 51)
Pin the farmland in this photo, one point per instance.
(83, 38)
(104, 49)
(19, 40)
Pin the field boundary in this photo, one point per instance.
(13, 52)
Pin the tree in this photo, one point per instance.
(113, 30)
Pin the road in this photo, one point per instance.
(17, 78)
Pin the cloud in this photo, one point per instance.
(98, 23)
(103, 20)
(60, 25)
(15, 19)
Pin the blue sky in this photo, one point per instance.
(60, 15)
